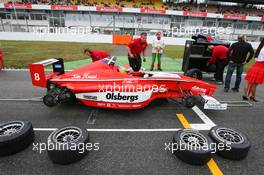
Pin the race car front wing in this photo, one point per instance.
(212, 103)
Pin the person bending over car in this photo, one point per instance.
(96, 54)
(135, 48)
(237, 60)
(219, 58)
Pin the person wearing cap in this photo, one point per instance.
(96, 54)
(219, 58)
(237, 60)
(135, 48)
(157, 49)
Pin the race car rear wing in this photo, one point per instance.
(37, 71)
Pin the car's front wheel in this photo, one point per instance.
(194, 73)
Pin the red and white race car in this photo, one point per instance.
(105, 84)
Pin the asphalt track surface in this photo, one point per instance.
(124, 152)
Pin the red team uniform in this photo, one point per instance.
(98, 55)
(137, 47)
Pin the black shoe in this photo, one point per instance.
(253, 99)
(226, 90)
(159, 69)
(235, 90)
(244, 97)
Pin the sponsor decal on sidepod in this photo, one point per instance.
(121, 97)
(112, 96)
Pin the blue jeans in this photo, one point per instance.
(230, 70)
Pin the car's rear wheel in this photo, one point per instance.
(15, 136)
(49, 100)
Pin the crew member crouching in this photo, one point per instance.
(96, 54)
(219, 58)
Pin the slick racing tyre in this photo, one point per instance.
(67, 145)
(192, 147)
(236, 144)
(194, 73)
(49, 100)
(15, 136)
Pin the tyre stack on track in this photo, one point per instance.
(238, 142)
(195, 148)
(189, 146)
(15, 136)
(67, 145)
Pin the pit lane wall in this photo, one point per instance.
(87, 38)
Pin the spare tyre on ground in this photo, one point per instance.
(15, 136)
(192, 147)
(67, 145)
(237, 144)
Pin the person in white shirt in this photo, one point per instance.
(255, 74)
(157, 49)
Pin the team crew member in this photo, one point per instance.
(237, 60)
(96, 54)
(135, 48)
(219, 58)
(255, 74)
(157, 49)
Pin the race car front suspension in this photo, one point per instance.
(188, 98)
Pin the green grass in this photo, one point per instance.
(174, 51)
(169, 64)
(248, 65)
(18, 54)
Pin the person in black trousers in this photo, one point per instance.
(219, 58)
(135, 48)
(239, 52)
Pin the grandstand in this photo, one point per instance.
(133, 16)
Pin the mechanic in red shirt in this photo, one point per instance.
(96, 54)
(219, 58)
(135, 48)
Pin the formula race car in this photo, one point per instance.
(106, 84)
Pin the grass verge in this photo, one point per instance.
(18, 54)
